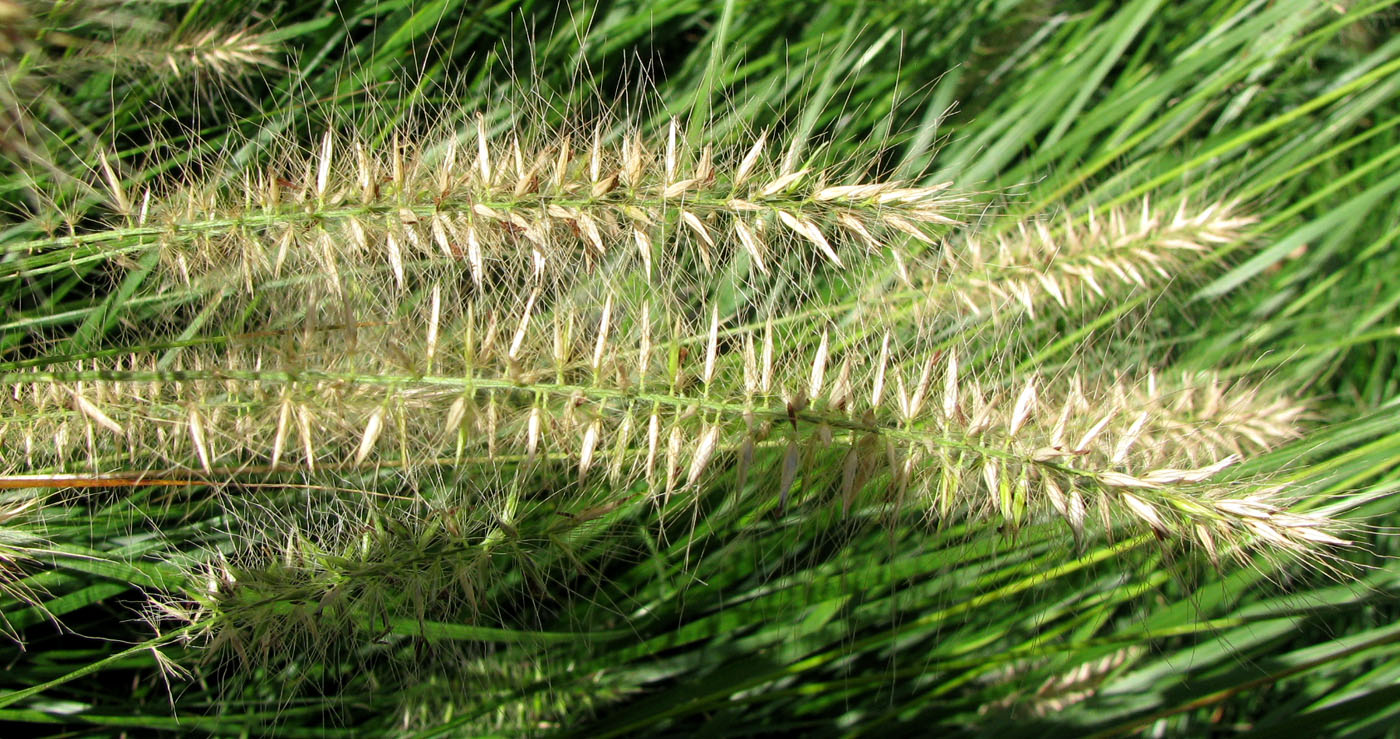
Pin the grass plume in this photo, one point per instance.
(606, 391)
(377, 221)
(732, 411)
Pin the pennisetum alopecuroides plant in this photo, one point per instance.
(426, 377)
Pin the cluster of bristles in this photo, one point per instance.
(636, 322)
(1135, 247)
(68, 37)
(614, 399)
(502, 215)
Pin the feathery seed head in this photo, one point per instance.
(1138, 449)
(367, 226)
(1032, 266)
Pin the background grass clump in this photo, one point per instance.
(455, 369)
